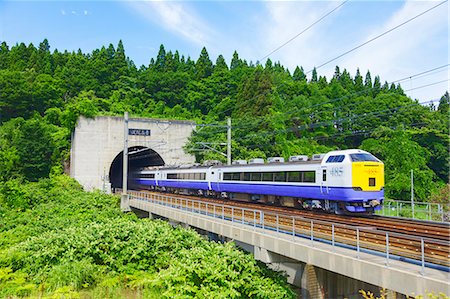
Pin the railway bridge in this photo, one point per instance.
(325, 260)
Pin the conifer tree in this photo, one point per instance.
(204, 65)
(314, 75)
(299, 74)
(358, 81)
(368, 80)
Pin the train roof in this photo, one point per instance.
(199, 167)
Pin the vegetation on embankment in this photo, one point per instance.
(57, 241)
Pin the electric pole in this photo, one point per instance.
(229, 141)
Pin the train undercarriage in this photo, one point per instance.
(323, 205)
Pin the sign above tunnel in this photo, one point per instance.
(139, 132)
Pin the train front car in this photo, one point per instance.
(354, 179)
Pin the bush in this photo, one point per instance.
(68, 240)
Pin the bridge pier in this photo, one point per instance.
(314, 282)
(324, 271)
(125, 203)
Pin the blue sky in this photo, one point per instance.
(254, 29)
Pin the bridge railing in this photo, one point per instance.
(422, 210)
(422, 251)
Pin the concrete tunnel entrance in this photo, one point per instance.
(138, 157)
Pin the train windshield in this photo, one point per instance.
(363, 158)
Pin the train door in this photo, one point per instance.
(324, 180)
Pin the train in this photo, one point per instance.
(341, 182)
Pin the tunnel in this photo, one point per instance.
(138, 157)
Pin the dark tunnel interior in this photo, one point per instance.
(138, 157)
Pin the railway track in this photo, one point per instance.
(427, 242)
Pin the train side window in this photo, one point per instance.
(324, 175)
(236, 176)
(246, 176)
(227, 176)
(372, 182)
(148, 175)
(309, 176)
(267, 176)
(280, 176)
(294, 176)
(256, 176)
(172, 176)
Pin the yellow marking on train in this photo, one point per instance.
(363, 174)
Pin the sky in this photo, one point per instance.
(253, 29)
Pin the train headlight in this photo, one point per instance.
(357, 188)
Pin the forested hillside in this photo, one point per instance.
(275, 111)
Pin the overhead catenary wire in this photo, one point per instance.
(332, 121)
(422, 73)
(304, 30)
(343, 134)
(348, 96)
(362, 92)
(431, 84)
(377, 37)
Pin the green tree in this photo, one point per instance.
(4, 56)
(359, 85)
(203, 66)
(26, 149)
(368, 80)
(401, 154)
(314, 76)
(299, 74)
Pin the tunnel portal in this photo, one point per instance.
(138, 158)
(97, 148)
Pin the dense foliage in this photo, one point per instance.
(275, 112)
(58, 241)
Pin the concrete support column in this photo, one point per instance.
(125, 203)
(311, 287)
(391, 294)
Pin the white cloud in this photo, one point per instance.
(176, 17)
(63, 12)
(413, 48)
(286, 20)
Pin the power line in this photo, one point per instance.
(304, 30)
(377, 37)
(362, 92)
(355, 94)
(423, 86)
(334, 121)
(422, 73)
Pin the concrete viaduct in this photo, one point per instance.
(320, 270)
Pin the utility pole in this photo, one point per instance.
(229, 141)
(412, 192)
(124, 202)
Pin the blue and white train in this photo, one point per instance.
(343, 181)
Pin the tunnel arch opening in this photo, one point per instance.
(138, 157)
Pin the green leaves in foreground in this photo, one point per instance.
(97, 251)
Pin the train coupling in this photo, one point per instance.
(372, 203)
